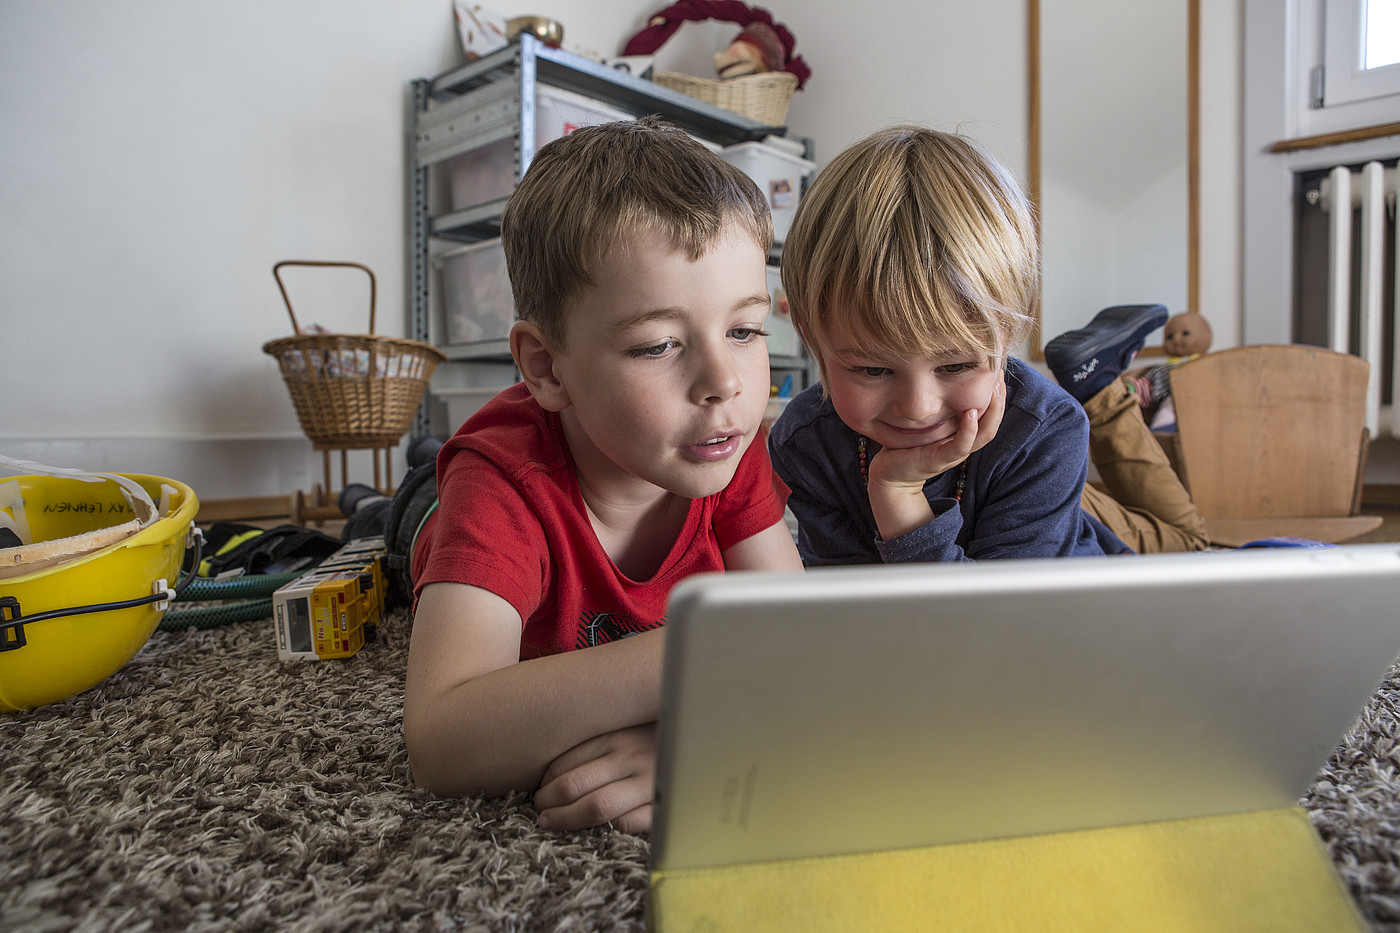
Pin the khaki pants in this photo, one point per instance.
(1145, 505)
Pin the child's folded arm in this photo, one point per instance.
(479, 721)
(609, 778)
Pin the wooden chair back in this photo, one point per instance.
(1273, 431)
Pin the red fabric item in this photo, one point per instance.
(511, 520)
(664, 24)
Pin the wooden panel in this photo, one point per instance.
(1233, 532)
(1271, 431)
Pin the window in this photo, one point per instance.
(1382, 34)
(1361, 51)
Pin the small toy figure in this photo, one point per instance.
(754, 51)
(1185, 336)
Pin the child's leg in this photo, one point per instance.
(1146, 505)
(1087, 359)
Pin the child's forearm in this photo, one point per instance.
(499, 731)
(899, 509)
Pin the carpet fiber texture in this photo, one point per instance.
(209, 786)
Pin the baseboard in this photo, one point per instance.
(244, 469)
(250, 508)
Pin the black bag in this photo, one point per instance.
(283, 549)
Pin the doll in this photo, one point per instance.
(1185, 336)
(756, 50)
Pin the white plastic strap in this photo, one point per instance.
(136, 495)
(12, 510)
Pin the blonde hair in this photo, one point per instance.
(585, 191)
(912, 242)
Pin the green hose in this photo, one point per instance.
(245, 599)
(202, 589)
(206, 617)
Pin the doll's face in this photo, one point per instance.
(741, 58)
(1186, 334)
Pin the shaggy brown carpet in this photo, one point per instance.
(209, 786)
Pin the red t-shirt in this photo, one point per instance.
(511, 520)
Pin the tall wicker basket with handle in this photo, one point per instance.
(351, 391)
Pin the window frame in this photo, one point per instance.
(1345, 81)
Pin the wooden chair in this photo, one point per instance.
(1273, 442)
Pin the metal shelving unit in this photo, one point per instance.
(494, 98)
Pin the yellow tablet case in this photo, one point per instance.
(1266, 870)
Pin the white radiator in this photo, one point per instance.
(1371, 191)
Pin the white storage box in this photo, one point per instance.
(464, 402)
(488, 173)
(776, 165)
(782, 335)
(476, 298)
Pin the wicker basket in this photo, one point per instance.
(352, 390)
(762, 97)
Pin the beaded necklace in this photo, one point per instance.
(865, 469)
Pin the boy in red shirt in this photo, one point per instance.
(573, 502)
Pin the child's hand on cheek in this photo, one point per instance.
(912, 466)
(897, 476)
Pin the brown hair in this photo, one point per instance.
(586, 190)
(913, 242)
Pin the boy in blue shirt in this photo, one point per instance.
(911, 270)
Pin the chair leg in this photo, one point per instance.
(1360, 488)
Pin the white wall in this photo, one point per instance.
(1221, 116)
(158, 157)
(1128, 240)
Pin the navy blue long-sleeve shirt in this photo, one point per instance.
(1022, 496)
